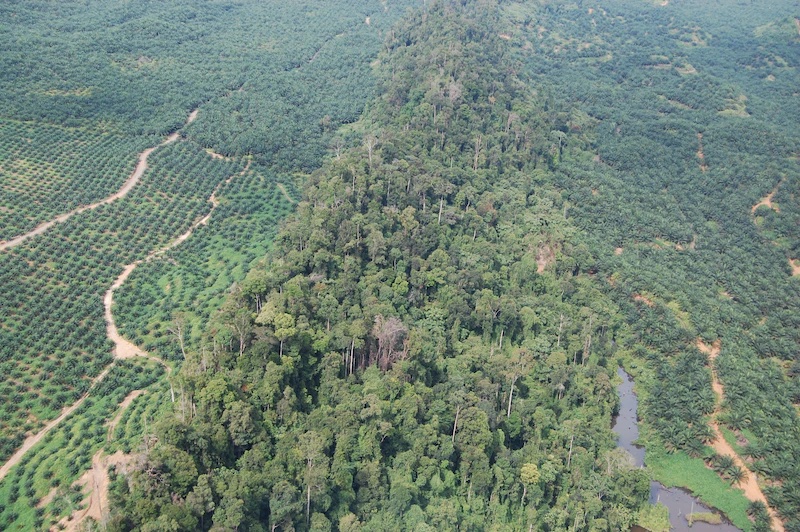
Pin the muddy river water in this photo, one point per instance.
(679, 502)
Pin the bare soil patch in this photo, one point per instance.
(286, 194)
(701, 156)
(47, 499)
(96, 482)
(214, 155)
(642, 299)
(544, 257)
(795, 264)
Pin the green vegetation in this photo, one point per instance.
(710, 518)
(679, 469)
(676, 124)
(275, 79)
(654, 518)
(83, 89)
(496, 201)
(65, 272)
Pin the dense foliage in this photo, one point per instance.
(84, 87)
(423, 348)
(275, 78)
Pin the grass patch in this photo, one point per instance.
(679, 469)
(701, 517)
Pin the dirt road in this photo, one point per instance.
(133, 179)
(750, 484)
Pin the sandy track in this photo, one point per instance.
(122, 347)
(286, 194)
(97, 477)
(121, 410)
(133, 179)
(767, 200)
(750, 484)
(97, 480)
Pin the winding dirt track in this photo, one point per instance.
(131, 182)
(749, 485)
(121, 410)
(286, 194)
(32, 440)
(767, 200)
(97, 477)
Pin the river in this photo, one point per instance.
(679, 502)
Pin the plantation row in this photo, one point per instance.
(191, 280)
(51, 467)
(60, 277)
(49, 170)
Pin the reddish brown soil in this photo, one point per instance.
(701, 156)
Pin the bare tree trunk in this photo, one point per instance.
(455, 424)
(510, 396)
(441, 204)
(569, 458)
(352, 350)
(587, 346)
(560, 326)
(477, 152)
